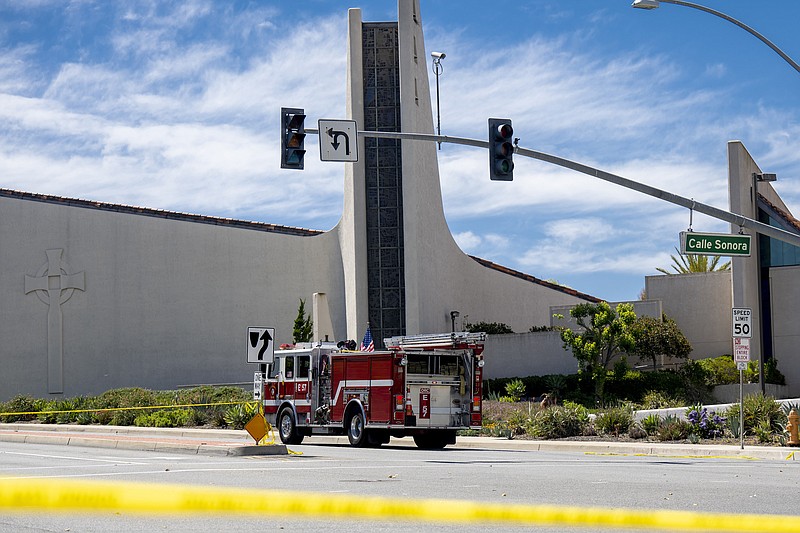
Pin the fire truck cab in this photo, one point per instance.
(424, 386)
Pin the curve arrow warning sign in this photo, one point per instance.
(260, 348)
(338, 140)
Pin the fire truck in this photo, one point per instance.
(424, 386)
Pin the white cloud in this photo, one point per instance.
(175, 106)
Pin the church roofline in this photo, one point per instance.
(158, 213)
(787, 217)
(532, 279)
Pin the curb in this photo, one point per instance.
(164, 440)
(229, 442)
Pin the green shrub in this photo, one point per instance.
(695, 383)
(85, 418)
(556, 422)
(125, 417)
(515, 390)
(19, 404)
(556, 385)
(46, 414)
(673, 428)
(760, 412)
(171, 418)
(764, 432)
(492, 328)
(720, 370)
(772, 374)
(634, 385)
(122, 399)
(238, 415)
(659, 400)
(651, 423)
(615, 420)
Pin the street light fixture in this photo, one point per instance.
(437, 69)
(653, 4)
(453, 316)
(766, 176)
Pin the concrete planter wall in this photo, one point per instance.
(730, 393)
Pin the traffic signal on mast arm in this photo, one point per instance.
(293, 136)
(501, 151)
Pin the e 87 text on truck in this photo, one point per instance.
(427, 387)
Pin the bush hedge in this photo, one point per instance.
(135, 406)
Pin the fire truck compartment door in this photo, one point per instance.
(433, 405)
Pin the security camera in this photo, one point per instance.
(438, 55)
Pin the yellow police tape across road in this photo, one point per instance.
(110, 409)
(53, 495)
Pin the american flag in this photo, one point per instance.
(367, 345)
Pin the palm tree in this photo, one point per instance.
(691, 263)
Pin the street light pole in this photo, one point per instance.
(653, 4)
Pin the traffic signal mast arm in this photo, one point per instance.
(714, 212)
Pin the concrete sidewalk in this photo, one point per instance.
(174, 440)
(238, 442)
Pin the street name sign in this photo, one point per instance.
(715, 244)
(260, 348)
(338, 140)
(741, 349)
(742, 322)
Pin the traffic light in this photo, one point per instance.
(501, 151)
(293, 136)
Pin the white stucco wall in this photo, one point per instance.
(527, 354)
(700, 304)
(166, 302)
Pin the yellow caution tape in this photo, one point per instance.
(27, 495)
(740, 457)
(96, 410)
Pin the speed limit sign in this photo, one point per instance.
(742, 323)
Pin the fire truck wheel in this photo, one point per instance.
(287, 429)
(356, 433)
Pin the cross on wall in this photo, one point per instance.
(54, 286)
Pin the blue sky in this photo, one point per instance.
(175, 105)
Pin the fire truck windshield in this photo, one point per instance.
(274, 368)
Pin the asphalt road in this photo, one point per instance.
(506, 476)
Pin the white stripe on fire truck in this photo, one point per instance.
(361, 383)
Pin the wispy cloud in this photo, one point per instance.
(179, 126)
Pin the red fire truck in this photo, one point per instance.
(424, 386)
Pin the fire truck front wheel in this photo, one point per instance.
(287, 429)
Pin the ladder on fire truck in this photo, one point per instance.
(436, 340)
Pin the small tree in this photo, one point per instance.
(604, 333)
(654, 337)
(302, 324)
